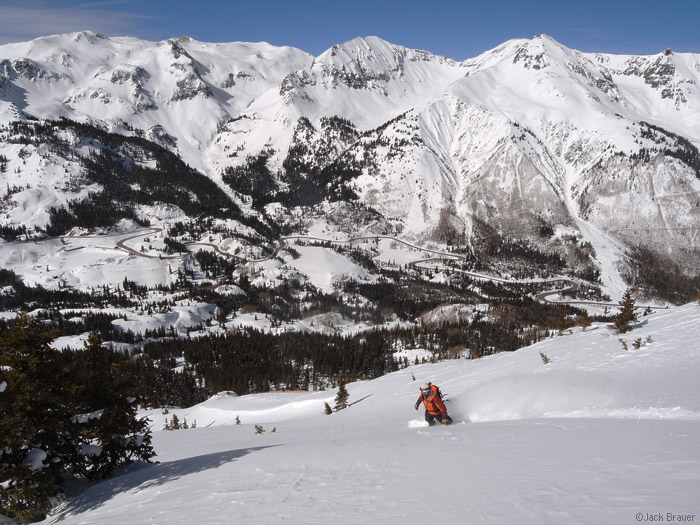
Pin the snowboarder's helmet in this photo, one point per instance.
(425, 387)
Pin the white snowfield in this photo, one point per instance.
(599, 435)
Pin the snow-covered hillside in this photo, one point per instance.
(599, 435)
(528, 134)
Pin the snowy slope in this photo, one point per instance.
(598, 435)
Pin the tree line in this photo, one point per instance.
(132, 171)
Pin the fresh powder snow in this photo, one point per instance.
(600, 434)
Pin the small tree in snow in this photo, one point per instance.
(628, 314)
(174, 423)
(341, 399)
(584, 320)
(327, 409)
(562, 323)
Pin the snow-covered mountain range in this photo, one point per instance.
(531, 139)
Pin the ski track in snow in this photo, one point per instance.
(596, 436)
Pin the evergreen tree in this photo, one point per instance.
(628, 314)
(37, 436)
(584, 320)
(327, 409)
(341, 398)
(59, 420)
(110, 410)
(562, 323)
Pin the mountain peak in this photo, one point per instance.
(539, 52)
(88, 36)
(184, 39)
(358, 47)
(546, 44)
(361, 60)
(368, 59)
(542, 36)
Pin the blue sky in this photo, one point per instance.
(457, 29)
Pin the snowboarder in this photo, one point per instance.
(435, 409)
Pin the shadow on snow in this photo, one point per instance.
(142, 476)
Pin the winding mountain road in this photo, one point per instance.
(570, 284)
(421, 264)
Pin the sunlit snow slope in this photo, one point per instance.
(598, 435)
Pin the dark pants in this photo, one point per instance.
(435, 419)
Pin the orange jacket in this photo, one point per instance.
(433, 403)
